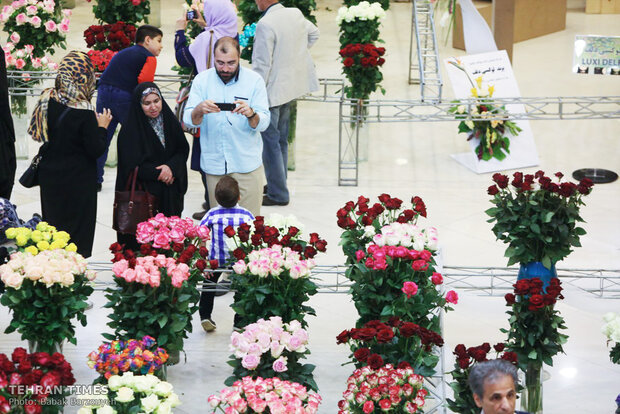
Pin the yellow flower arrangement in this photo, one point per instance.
(43, 237)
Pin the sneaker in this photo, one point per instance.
(208, 325)
(199, 215)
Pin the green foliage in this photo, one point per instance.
(614, 354)
(260, 298)
(112, 11)
(538, 221)
(163, 312)
(44, 315)
(359, 31)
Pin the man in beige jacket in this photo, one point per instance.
(281, 57)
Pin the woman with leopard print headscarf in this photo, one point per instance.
(73, 136)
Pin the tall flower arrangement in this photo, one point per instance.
(466, 358)
(128, 11)
(492, 137)
(361, 59)
(534, 333)
(260, 395)
(156, 288)
(34, 383)
(611, 330)
(537, 217)
(271, 348)
(46, 293)
(271, 276)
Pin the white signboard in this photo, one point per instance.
(495, 69)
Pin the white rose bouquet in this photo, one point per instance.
(360, 23)
(611, 329)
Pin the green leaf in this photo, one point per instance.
(532, 355)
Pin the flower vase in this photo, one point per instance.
(532, 394)
(162, 373)
(174, 357)
(537, 269)
(21, 120)
(39, 346)
(360, 130)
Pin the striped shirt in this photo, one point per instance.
(217, 219)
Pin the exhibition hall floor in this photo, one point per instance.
(407, 159)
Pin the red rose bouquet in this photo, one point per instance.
(466, 358)
(114, 37)
(537, 217)
(34, 382)
(377, 343)
(101, 58)
(534, 333)
(361, 63)
(130, 11)
(387, 388)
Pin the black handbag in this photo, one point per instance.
(30, 177)
(132, 206)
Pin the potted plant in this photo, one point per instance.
(269, 395)
(271, 348)
(538, 219)
(534, 334)
(46, 293)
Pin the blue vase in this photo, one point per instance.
(536, 269)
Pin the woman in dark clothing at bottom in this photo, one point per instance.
(152, 140)
(74, 136)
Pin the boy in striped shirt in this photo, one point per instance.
(227, 213)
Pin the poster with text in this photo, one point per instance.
(597, 55)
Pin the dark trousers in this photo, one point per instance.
(203, 177)
(205, 307)
(118, 101)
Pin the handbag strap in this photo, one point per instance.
(210, 49)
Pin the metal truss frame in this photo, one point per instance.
(423, 52)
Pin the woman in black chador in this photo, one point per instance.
(73, 136)
(152, 139)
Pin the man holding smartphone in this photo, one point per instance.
(229, 104)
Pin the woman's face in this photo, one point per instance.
(151, 105)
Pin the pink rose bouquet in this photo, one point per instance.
(260, 395)
(384, 389)
(46, 293)
(36, 23)
(271, 347)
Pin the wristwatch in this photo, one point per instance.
(253, 115)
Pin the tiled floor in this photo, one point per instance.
(582, 381)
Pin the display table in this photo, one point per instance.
(533, 18)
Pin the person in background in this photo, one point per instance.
(152, 140)
(7, 137)
(129, 67)
(494, 386)
(230, 139)
(218, 19)
(75, 136)
(281, 56)
(227, 213)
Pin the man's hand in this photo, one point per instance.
(203, 108)
(244, 109)
(165, 174)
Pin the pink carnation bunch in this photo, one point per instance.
(273, 261)
(269, 337)
(148, 270)
(384, 389)
(163, 232)
(266, 395)
(49, 267)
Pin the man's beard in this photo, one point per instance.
(227, 76)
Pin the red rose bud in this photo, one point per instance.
(348, 62)
(384, 198)
(18, 354)
(419, 265)
(309, 252)
(201, 264)
(559, 175)
(314, 237)
(256, 239)
(229, 231)
(238, 253)
(115, 247)
(409, 289)
(510, 299)
(321, 245)
(452, 297)
(362, 354)
(499, 347)
(203, 252)
(177, 247)
(437, 279)
(385, 335)
(213, 263)
(492, 190)
(522, 287)
(375, 361)
(343, 337)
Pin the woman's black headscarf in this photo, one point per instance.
(138, 145)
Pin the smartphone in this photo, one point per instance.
(191, 14)
(226, 106)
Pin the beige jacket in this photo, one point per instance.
(281, 55)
